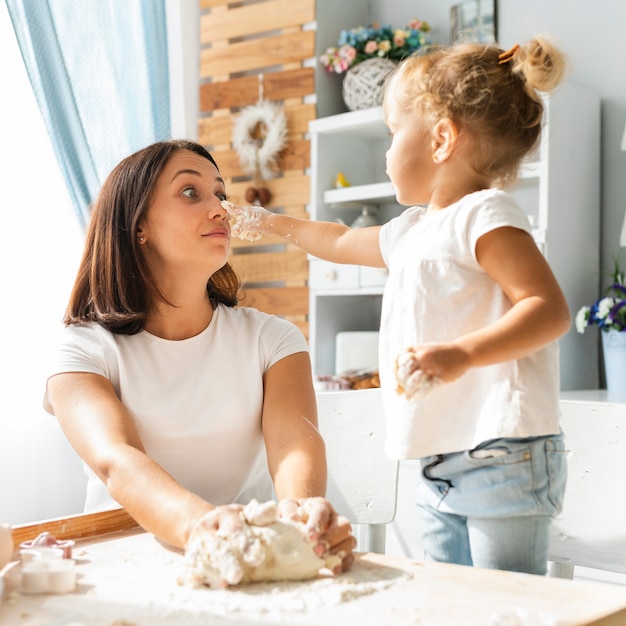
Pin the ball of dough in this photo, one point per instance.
(411, 381)
(265, 548)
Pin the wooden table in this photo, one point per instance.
(128, 578)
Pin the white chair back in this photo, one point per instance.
(591, 530)
(362, 481)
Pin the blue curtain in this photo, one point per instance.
(99, 70)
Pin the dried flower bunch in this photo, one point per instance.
(609, 311)
(356, 45)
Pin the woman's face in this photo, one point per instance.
(185, 228)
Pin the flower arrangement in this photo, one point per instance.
(609, 311)
(359, 44)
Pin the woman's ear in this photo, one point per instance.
(444, 138)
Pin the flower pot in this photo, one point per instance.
(364, 83)
(614, 349)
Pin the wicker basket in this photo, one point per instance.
(363, 84)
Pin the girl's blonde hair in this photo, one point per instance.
(491, 95)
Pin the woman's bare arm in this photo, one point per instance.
(296, 452)
(101, 431)
(295, 448)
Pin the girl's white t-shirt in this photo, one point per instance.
(436, 292)
(196, 403)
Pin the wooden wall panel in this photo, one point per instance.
(259, 53)
(286, 301)
(271, 267)
(252, 19)
(218, 129)
(295, 156)
(240, 92)
(241, 42)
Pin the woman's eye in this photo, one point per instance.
(222, 196)
(190, 192)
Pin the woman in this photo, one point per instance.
(177, 401)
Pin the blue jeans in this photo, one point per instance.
(491, 506)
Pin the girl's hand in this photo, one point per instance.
(444, 361)
(422, 368)
(331, 532)
(247, 222)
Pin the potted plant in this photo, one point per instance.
(356, 45)
(608, 313)
(366, 54)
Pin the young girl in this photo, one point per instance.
(471, 310)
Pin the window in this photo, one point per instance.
(40, 247)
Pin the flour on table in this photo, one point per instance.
(265, 548)
(276, 600)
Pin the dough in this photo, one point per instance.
(264, 549)
(411, 380)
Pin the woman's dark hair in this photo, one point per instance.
(114, 286)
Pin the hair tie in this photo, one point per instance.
(505, 57)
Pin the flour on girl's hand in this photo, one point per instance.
(244, 221)
(265, 548)
(412, 382)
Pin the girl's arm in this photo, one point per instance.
(102, 432)
(539, 312)
(331, 241)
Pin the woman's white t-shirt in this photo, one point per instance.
(436, 292)
(196, 403)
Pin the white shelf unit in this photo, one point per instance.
(346, 297)
(558, 189)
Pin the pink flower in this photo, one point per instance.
(370, 47)
(348, 53)
(341, 65)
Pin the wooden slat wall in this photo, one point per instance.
(239, 41)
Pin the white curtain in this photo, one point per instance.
(99, 70)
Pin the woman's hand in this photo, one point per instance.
(224, 519)
(331, 532)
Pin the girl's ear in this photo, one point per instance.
(444, 138)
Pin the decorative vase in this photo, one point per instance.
(364, 83)
(367, 218)
(614, 349)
